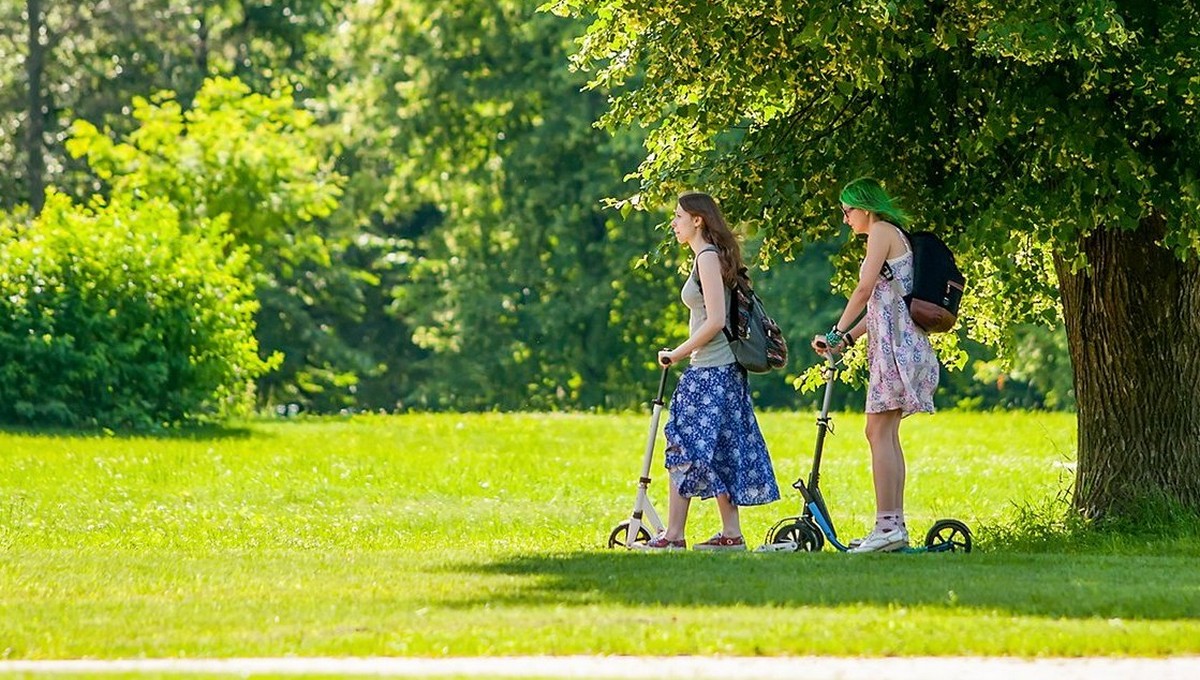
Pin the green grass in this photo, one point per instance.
(440, 535)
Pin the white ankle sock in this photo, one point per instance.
(889, 520)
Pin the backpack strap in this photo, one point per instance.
(709, 249)
(695, 268)
(730, 294)
(886, 270)
(907, 240)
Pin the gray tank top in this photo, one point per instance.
(715, 352)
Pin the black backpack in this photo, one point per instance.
(937, 283)
(757, 342)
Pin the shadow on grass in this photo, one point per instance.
(1046, 585)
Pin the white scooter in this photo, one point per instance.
(634, 530)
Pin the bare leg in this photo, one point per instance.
(731, 525)
(887, 466)
(900, 478)
(677, 513)
(887, 460)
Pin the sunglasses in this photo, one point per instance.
(846, 211)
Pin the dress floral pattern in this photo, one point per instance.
(903, 367)
(714, 445)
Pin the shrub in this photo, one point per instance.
(114, 316)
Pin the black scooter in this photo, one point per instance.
(810, 530)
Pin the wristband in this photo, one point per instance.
(834, 337)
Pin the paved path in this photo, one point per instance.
(625, 667)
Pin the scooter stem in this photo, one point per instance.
(824, 423)
(643, 509)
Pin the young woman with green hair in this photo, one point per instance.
(903, 369)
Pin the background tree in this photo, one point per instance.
(88, 60)
(253, 159)
(519, 282)
(98, 56)
(1053, 144)
(121, 315)
(35, 115)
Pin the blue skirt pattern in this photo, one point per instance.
(714, 445)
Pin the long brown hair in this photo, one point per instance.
(716, 231)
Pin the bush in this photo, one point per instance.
(113, 316)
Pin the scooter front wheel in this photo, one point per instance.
(800, 534)
(619, 538)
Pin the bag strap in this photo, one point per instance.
(730, 294)
(886, 270)
(695, 267)
(887, 273)
(709, 249)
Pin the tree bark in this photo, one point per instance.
(202, 40)
(1133, 328)
(35, 168)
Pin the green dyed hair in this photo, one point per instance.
(868, 194)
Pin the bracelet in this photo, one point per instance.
(834, 337)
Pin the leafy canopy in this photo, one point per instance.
(1012, 128)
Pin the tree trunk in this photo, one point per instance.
(202, 41)
(35, 168)
(1133, 327)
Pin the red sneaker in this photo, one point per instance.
(722, 542)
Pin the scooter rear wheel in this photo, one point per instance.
(619, 538)
(948, 535)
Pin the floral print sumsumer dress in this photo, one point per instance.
(903, 367)
(714, 445)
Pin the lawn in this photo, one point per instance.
(484, 534)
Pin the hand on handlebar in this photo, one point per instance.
(821, 346)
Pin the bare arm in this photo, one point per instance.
(878, 244)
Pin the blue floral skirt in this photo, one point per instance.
(714, 445)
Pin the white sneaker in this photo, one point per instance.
(882, 541)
